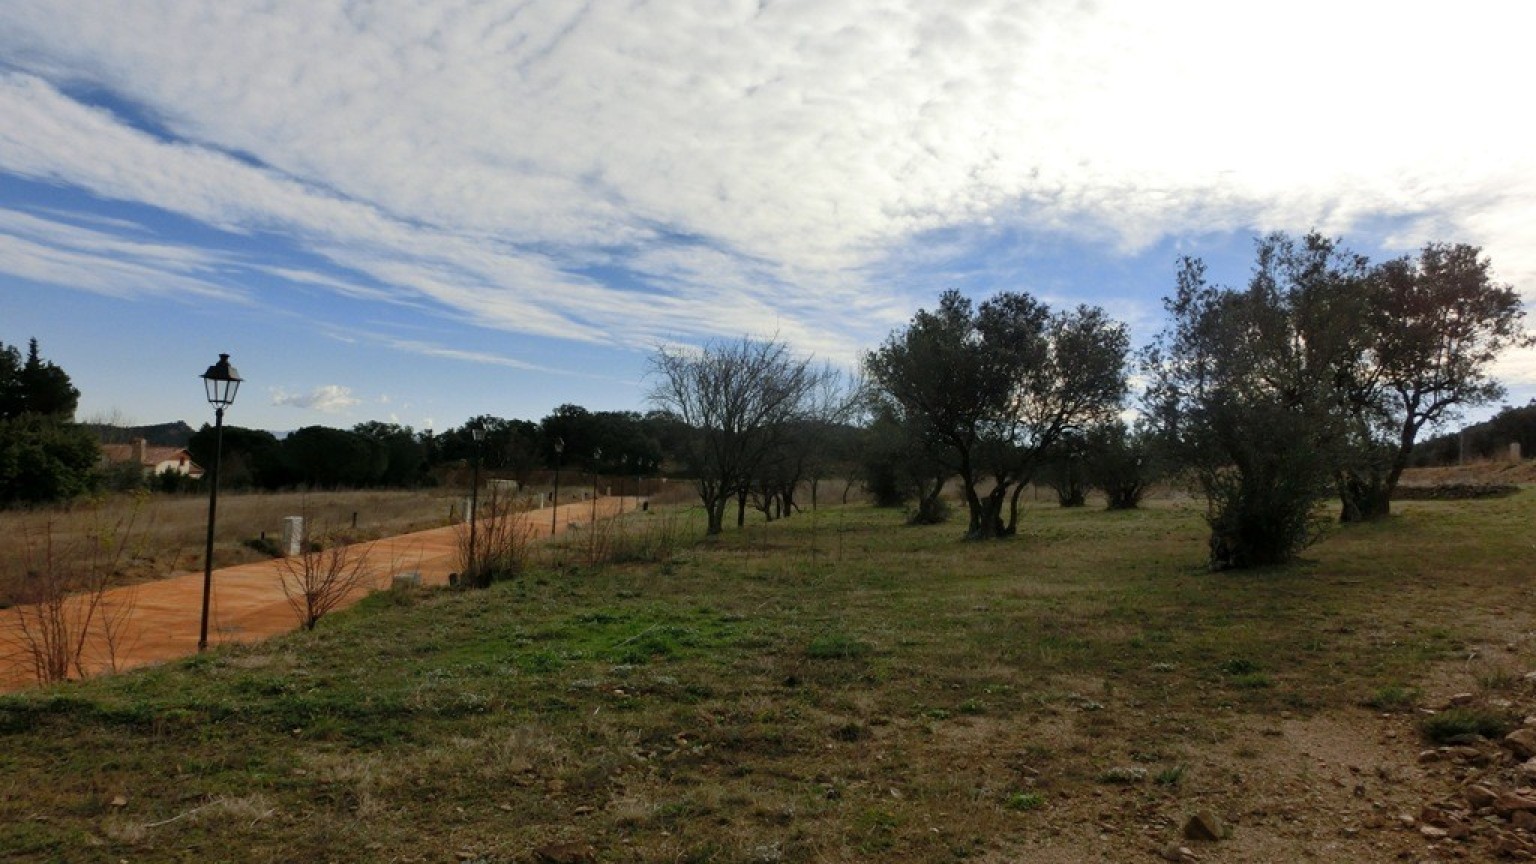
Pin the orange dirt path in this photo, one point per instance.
(247, 603)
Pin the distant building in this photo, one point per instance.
(153, 460)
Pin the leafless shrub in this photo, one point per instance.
(503, 540)
(318, 580)
(66, 622)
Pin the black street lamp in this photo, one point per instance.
(478, 433)
(554, 502)
(222, 382)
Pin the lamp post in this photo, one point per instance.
(221, 382)
(554, 515)
(478, 433)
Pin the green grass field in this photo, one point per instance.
(833, 687)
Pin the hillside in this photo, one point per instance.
(175, 434)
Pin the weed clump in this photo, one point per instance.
(1457, 723)
(1393, 697)
(1024, 801)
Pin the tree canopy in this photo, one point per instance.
(989, 389)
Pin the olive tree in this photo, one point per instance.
(1433, 327)
(996, 385)
(1243, 383)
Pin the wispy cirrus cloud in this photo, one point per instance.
(118, 261)
(594, 172)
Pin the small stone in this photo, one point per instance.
(1459, 699)
(1522, 742)
(1523, 819)
(1528, 769)
(1432, 816)
(1204, 826)
(1510, 802)
(1510, 846)
(1478, 796)
(1467, 754)
(1432, 832)
(1177, 853)
(119, 801)
(1427, 756)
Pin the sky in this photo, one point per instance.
(419, 212)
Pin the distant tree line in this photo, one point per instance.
(387, 454)
(1488, 440)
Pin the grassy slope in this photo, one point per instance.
(833, 687)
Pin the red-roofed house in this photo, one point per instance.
(154, 460)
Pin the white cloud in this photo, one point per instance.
(116, 264)
(327, 399)
(749, 164)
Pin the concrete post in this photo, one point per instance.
(293, 535)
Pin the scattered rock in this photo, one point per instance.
(1459, 700)
(1433, 832)
(1204, 826)
(119, 801)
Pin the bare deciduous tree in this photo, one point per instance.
(68, 620)
(739, 401)
(318, 580)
